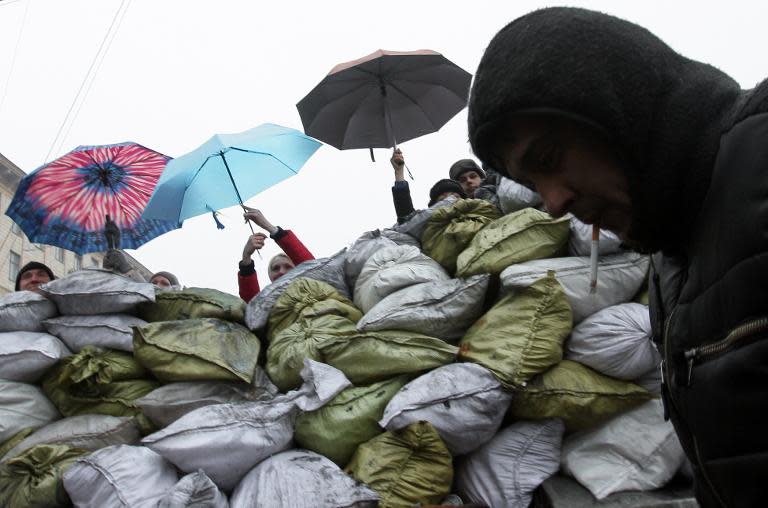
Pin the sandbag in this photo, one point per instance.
(329, 270)
(578, 395)
(203, 349)
(615, 341)
(96, 291)
(23, 406)
(193, 303)
(636, 451)
(580, 240)
(522, 335)
(109, 331)
(444, 309)
(308, 298)
(464, 402)
(26, 356)
(513, 196)
(301, 479)
(87, 432)
(405, 467)
(619, 277)
(350, 419)
(362, 249)
(172, 401)
(194, 490)
(505, 471)
(416, 223)
(450, 229)
(33, 479)
(24, 311)
(515, 238)
(120, 475)
(391, 269)
(11, 443)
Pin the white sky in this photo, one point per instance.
(179, 71)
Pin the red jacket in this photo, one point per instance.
(248, 282)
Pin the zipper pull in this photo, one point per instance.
(690, 356)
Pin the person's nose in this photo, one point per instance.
(558, 199)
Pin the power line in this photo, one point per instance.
(15, 51)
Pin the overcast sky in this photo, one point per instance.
(179, 71)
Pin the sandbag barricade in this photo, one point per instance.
(193, 303)
(95, 291)
(24, 311)
(108, 331)
(26, 356)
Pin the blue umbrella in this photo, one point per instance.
(227, 169)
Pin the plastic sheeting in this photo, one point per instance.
(391, 269)
(120, 475)
(26, 356)
(619, 277)
(194, 303)
(363, 248)
(110, 331)
(504, 472)
(442, 309)
(23, 406)
(24, 311)
(636, 451)
(615, 341)
(195, 490)
(513, 196)
(464, 402)
(95, 291)
(301, 479)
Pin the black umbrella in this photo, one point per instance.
(384, 98)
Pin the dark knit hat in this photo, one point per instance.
(443, 186)
(461, 166)
(32, 265)
(168, 275)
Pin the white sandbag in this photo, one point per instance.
(24, 311)
(636, 450)
(442, 309)
(227, 440)
(25, 356)
(619, 278)
(105, 330)
(417, 222)
(89, 432)
(615, 341)
(513, 196)
(329, 270)
(195, 490)
(391, 269)
(464, 402)
(504, 472)
(359, 252)
(23, 406)
(96, 291)
(120, 475)
(301, 479)
(172, 401)
(400, 238)
(580, 240)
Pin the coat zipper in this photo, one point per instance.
(702, 353)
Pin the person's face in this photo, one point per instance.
(31, 280)
(279, 267)
(572, 170)
(160, 281)
(469, 181)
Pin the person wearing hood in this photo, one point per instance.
(164, 280)
(607, 122)
(32, 276)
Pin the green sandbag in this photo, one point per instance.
(193, 303)
(407, 467)
(580, 396)
(13, 441)
(99, 381)
(34, 478)
(350, 419)
(289, 348)
(309, 298)
(515, 238)
(450, 230)
(522, 335)
(197, 350)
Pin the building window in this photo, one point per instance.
(59, 253)
(78, 262)
(14, 263)
(15, 228)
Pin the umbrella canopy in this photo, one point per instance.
(227, 169)
(385, 98)
(65, 202)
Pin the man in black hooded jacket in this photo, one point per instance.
(607, 122)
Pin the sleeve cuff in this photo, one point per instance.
(278, 234)
(400, 184)
(246, 270)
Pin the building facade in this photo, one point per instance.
(16, 250)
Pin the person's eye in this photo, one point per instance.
(542, 156)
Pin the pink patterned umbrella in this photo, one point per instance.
(67, 201)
